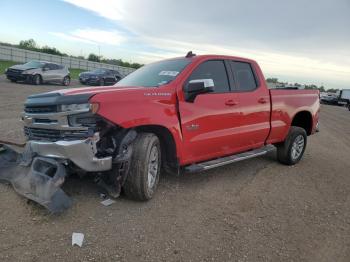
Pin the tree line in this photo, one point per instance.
(31, 45)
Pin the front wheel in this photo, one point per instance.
(37, 80)
(143, 177)
(292, 149)
(66, 81)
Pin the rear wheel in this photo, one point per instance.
(142, 181)
(37, 80)
(66, 81)
(292, 149)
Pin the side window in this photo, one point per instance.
(243, 76)
(213, 70)
(51, 66)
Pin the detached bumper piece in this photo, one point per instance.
(38, 178)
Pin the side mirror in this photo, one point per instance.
(197, 87)
(46, 69)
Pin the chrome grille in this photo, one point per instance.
(40, 109)
(53, 135)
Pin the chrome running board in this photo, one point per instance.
(229, 159)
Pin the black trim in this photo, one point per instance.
(49, 99)
(227, 75)
(257, 82)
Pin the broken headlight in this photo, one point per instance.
(75, 107)
(85, 119)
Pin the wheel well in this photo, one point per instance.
(167, 144)
(303, 119)
(40, 77)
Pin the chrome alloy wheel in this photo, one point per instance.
(298, 147)
(153, 166)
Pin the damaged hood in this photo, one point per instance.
(74, 95)
(96, 90)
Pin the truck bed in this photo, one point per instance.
(285, 104)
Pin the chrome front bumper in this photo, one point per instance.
(80, 152)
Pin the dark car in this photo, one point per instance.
(100, 77)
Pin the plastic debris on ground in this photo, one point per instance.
(77, 239)
(108, 202)
(36, 178)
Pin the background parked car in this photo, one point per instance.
(330, 99)
(39, 72)
(100, 77)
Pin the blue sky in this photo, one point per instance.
(296, 41)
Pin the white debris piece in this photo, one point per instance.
(107, 202)
(77, 239)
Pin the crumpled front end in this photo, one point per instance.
(65, 135)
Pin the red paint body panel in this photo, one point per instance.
(210, 127)
(285, 105)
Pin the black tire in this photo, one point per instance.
(13, 80)
(66, 81)
(101, 82)
(349, 107)
(138, 185)
(37, 80)
(288, 152)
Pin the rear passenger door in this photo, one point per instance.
(254, 105)
(209, 122)
(49, 72)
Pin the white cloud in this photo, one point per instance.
(92, 36)
(299, 43)
(112, 10)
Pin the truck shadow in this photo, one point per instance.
(85, 188)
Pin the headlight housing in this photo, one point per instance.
(88, 107)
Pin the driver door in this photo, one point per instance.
(208, 122)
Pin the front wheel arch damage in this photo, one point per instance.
(111, 181)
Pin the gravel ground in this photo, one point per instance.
(256, 210)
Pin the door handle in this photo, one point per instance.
(231, 102)
(262, 100)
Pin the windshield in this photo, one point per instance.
(99, 71)
(34, 64)
(155, 74)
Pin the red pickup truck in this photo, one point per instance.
(190, 113)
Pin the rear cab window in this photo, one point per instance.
(244, 77)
